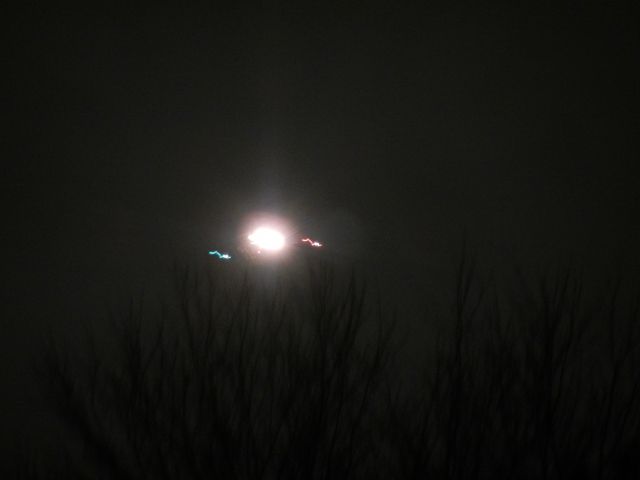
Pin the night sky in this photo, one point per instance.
(139, 139)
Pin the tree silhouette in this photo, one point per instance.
(303, 381)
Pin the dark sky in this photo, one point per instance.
(145, 137)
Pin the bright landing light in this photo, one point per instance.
(267, 239)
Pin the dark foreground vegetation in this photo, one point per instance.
(533, 381)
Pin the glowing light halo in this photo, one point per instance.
(266, 238)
